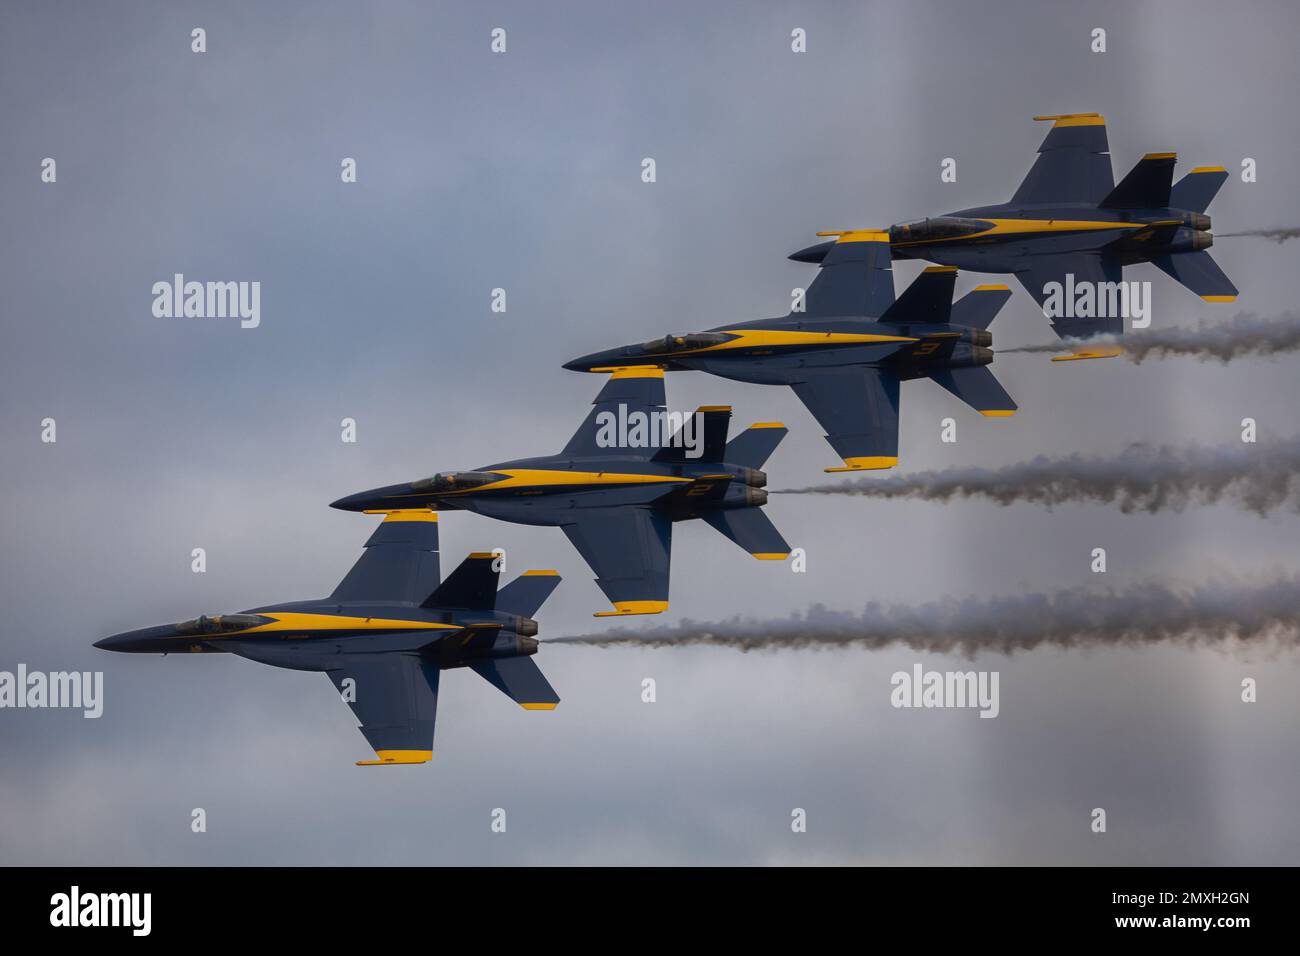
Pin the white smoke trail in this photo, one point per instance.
(1242, 335)
(1224, 614)
(1259, 477)
(1279, 236)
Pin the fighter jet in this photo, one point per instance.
(617, 487)
(1070, 227)
(386, 633)
(847, 352)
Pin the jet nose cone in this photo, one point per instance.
(144, 640)
(381, 499)
(116, 642)
(355, 502)
(586, 363)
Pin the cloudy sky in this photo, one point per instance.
(522, 171)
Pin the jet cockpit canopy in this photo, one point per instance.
(445, 482)
(935, 230)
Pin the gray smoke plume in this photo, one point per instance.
(1224, 614)
(1256, 477)
(1243, 334)
(1277, 235)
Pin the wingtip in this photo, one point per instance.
(1073, 119)
(394, 758)
(869, 463)
(628, 608)
(1085, 354)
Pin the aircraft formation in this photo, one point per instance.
(632, 469)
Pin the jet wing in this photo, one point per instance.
(856, 277)
(1085, 268)
(629, 549)
(400, 563)
(395, 696)
(1073, 164)
(858, 408)
(629, 389)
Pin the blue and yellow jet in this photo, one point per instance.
(846, 353)
(1069, 219)
(616, 492)
(386, 633)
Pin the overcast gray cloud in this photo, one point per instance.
(521, 171)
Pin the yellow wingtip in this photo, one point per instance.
(624, 608)
(857, 235)
(532, 706)
(404, 514)
(1074, 119)
(631, 371)
(1219, 298)
(869, 463)
(390, 758)
(1099, 353)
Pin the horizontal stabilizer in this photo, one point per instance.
(978, 388)
(528, 592)
(978, 308)
(1200, 273)
(520, 679)
(1195, 191)
(752, 530)
(752, 447)
(473, 585)
(927, 300)
(1146, 186)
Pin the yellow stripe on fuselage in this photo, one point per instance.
(338, 622)
(1017, 227)
(518, 478)
(786, 338)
